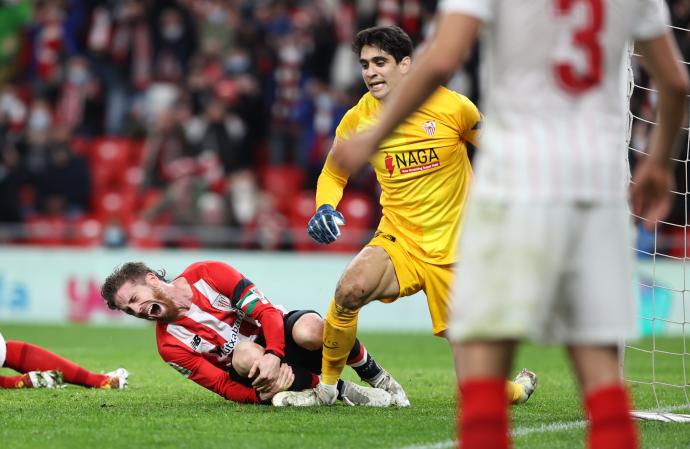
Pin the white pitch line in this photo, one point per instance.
(442, 445)
(547, 428)
(522, 431)
(671, 408)
(518, 432)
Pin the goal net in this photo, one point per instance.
(657, 366)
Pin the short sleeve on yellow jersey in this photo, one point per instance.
(351, 123)
(347, 125)
(467, 118)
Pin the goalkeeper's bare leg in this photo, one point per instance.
(370, 276)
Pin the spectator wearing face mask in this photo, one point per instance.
(62, 187)
(174, 43)
(34, 142)
(287, 80)
(12, 178)
(13, 110)
(51, 38)
(222, 133)
(80, 104)
(217, 21)
(119, 43)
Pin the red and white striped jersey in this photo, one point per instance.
(554, 85)
(226, 309)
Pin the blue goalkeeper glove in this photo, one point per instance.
(323, 226)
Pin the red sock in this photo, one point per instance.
(314, 380)
(9, 381)
(483, 414)
(25, 357)
(610, 423)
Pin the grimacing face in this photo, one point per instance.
(146, 300)
(380, 72)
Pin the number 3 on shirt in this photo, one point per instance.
(585, 38)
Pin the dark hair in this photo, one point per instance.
(131, 271)
(391, 39)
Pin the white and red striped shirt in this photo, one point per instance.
(226, 309)
(554, 95)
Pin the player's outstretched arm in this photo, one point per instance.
(653, 177)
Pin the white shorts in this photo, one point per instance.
(3, 351)
(549, 273)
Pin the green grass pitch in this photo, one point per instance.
(161, 409)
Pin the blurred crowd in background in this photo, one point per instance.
(199, 123)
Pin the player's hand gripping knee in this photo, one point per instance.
(323, 226)
(265, 371)
(283, 383)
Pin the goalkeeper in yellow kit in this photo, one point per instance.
(424, 173)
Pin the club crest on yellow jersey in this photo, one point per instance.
(429, 127)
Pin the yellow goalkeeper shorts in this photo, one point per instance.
(414, 275)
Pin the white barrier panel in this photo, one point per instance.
(663, 296)
(63, 285)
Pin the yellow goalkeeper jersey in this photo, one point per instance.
(423, 170)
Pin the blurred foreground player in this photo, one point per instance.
(546, 251)
(41, 368)
(424, 172)
(215, 327)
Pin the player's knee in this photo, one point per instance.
(351, 293)
(244, 355)
(308, 332)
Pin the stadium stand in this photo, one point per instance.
(196, 114)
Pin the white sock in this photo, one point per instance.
(327, 391)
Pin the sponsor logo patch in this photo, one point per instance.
(222, 352)
(196, 341)
(389, 164)
(419, 168)
(417, 160)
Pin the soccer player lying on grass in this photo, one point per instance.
(424, 173)
(41, 368)
(216, 328)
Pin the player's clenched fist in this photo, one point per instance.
(323, 226)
